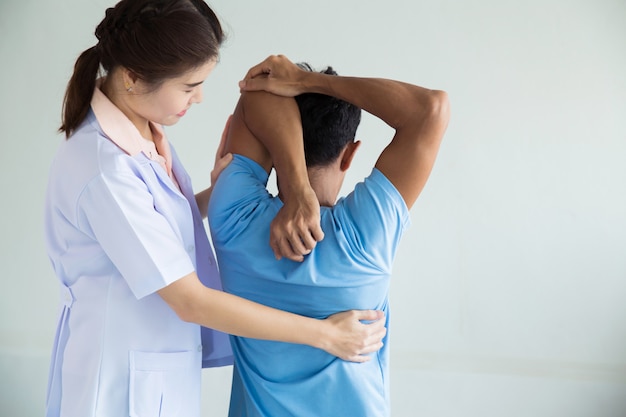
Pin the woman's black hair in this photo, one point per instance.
(154, 39)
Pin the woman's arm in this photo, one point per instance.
(341, 335)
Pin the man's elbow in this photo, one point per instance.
(431, 121)
(439, 108)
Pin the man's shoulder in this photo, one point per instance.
(374, 208)
(239, 190)
(376, 189)
(243, 164)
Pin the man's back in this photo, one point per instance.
(310, 141)
(349, 269)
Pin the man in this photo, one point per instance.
(351, 267)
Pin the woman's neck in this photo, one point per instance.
(113, 88)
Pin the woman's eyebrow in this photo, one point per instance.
(193, 84)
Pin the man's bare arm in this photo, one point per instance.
(418, 115)
(267, 129)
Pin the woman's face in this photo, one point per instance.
(167, 104)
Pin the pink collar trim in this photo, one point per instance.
(124, 134)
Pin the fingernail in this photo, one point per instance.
(242, 84)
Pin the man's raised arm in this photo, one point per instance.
(418, 115)
(267, 129)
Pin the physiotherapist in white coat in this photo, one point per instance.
(125, 236)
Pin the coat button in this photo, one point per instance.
(199, 348)
(190, 248)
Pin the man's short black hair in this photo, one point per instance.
(328, 124)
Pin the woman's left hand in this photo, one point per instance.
(353, 335)
(221, 159)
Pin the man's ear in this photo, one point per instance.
(348, 154)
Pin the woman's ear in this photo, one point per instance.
(129, 78)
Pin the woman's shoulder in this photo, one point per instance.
(88, 152)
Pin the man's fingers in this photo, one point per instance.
(282, 248)
(317, 233)
(257, 78)
(276, 249)
(253, 84)
(256, 71)
(292, 246)
(302, 244)
(296, 247)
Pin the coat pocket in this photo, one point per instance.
(165, 384)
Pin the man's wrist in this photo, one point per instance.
(295, 183)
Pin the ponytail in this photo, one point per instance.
(80, 90)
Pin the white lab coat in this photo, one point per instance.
(117, 230)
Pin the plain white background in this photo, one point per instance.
(508, 291)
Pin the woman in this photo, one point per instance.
(125, 236)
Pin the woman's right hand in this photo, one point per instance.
(352, 340)
(277, 75)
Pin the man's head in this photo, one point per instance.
(328, 124)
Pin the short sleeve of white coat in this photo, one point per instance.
(117, 210)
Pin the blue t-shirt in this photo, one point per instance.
(349, 269)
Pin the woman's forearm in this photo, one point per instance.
(343, 336)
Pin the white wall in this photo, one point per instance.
(508, 294)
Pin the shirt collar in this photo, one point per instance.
(121, 131)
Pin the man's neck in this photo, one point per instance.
(326, 182)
